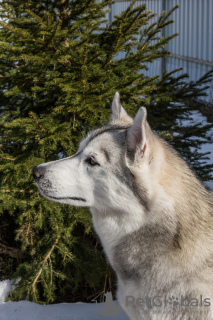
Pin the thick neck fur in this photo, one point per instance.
(180, 207)
(193, 205)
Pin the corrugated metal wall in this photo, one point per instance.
(193, 48)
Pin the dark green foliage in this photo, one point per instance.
(173, 102)
(59, 70)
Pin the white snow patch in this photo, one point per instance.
(5, 288)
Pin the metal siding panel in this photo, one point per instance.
(194, 35)
(190, 43)
(185, 30)
(199, 29)
(203, 31)
(210, 24)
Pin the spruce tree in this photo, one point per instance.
(59, 70)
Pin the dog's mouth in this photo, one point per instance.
(61, 198)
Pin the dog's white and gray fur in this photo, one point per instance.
(153, 216)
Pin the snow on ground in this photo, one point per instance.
(25, 310)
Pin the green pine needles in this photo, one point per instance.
(59, 70)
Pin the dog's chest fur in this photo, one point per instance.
(146, 264)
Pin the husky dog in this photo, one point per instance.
(153, 216)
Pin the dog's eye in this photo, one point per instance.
(92, 161)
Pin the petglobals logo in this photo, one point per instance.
(159, 301)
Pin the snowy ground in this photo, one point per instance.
(25, 310)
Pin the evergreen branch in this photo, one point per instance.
(21, 191)
(84, 81)
(115, 48)
(16, 32)
(94, 58)
(12, 29)
(125, 31)
(42, 267)
(64, 4)
(85, 54)
(66, 253)
(130, 7)
(30, 59)
(5, 158)
(35, 17)
(164, 16)
(80, 10)
(51, 271)
(48, 288)
(8, 47)
(12, 79)
(59, 22)
(36, 120)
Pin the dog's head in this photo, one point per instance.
(103, 171)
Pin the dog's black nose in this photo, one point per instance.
(38, 172)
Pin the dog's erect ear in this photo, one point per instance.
(137, 137)
(118, 112)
